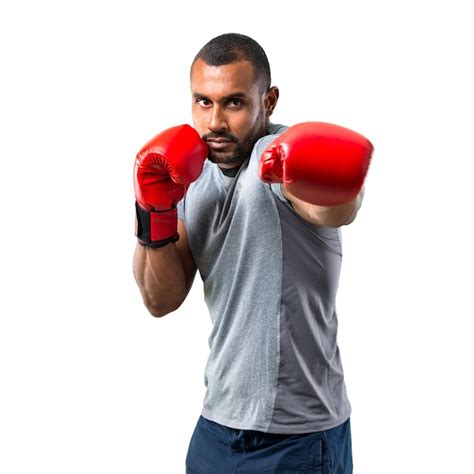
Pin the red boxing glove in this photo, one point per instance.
(164, 168)
(318, 162)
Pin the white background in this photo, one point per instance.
(90, 383)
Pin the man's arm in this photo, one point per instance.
(162, 264)
(164, 275)
(329, 216)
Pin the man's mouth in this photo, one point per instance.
(218, 143)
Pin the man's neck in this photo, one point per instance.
(231, 170)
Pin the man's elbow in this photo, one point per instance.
(335, 219)
(350, 214)
(350, 220)
(158, 310)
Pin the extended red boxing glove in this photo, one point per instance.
(320, 163)
(164, 168)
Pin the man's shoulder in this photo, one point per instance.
(273, 131)
(276, 128)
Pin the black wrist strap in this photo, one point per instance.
(156, 229)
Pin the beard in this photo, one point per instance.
(243, 147)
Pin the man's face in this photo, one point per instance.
(229, 110)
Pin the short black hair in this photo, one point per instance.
(232, 47)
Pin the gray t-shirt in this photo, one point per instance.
(270, 281)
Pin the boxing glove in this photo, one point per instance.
(164, 168)
(320, 163)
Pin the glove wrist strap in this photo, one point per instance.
(156, 228)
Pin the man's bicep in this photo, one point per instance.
(186, 256)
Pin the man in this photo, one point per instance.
(260, 206)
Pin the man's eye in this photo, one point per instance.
(235, 102)
(203, 102)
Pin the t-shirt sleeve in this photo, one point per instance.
(181, 209)
(276, 188)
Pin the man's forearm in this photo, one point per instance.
(161, 278)
(329, 216)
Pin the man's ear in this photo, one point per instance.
(271, 99)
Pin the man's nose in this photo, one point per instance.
(217, 120)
